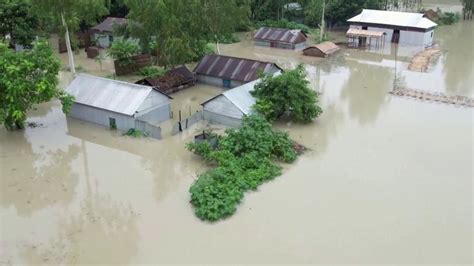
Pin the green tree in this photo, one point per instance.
(339, 11)
(468, 8)
(28, 78)
(68, 14)
(288, 92)
(16, 21)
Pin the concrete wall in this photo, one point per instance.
(220, 119)
(101, 117)
(216, 81)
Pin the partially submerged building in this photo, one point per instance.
(323, 49)
(231, 72)
(118, 104)
(397, 27)
(174, 80)
(231, 106)
(280, 38)
(103, 33)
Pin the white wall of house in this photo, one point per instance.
(406, 37)
(221, 119)
(156, 114)
(103, 40)
(101, 117)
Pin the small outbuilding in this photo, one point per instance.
(398, 27)
(323, 49)
(231, 106)
(231, 72)
(280, 38)
(103, 32)
(117, 104)
(174, 80)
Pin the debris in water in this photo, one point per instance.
(434, 97)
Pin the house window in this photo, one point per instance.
(112, 123)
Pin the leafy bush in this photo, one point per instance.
(152, 71)
(136, 133)
(123, 49)
(287, 93)
(244, 161)
(228, 38)
(448, 18)
(283, 23)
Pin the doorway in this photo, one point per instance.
(396, 36)
(112, 123)
(226, 83)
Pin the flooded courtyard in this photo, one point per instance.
(387, 179)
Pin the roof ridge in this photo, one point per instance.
(115, 80)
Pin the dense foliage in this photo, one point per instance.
(16, 21)
(244, 159)
(27, 78)
(182, 29)
(287, 93)
(282, 23)
(152, 71)
(448, 18)
(122, 49)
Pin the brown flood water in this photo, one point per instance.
(387, 180)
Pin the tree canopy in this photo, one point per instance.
(16, 21)
(288, 92)
(27, 78)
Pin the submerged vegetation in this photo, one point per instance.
(152, 71)
(136, 133)
(287, 93)
(244, 158)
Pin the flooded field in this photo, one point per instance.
(387, 180)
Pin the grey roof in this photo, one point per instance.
(240, 96)
(233, 68)
(108, 24)
(108, 94)
(402, 19)
(280, 35)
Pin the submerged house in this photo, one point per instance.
(118, 104)
(323, 49)
(231, 106)
(397, 27)
(103, 32)
(280, 38)
(231, 72)
(174, 80)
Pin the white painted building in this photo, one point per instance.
(118, 104)
(399, 27)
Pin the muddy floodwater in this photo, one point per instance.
(388, 179)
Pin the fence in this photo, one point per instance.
(181, 125)
(153, 131)
(136, 62)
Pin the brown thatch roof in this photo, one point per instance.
(325, 47)
(173, 78)
(108, 24)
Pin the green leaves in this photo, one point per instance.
(122, 49)
(287, 93)
(27, 78)
(244, 159)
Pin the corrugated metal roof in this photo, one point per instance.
(108, 24)
(112, 95)
(325, 47)
(241, 97)
(233, 68)
(402, 19)
(280, 35)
